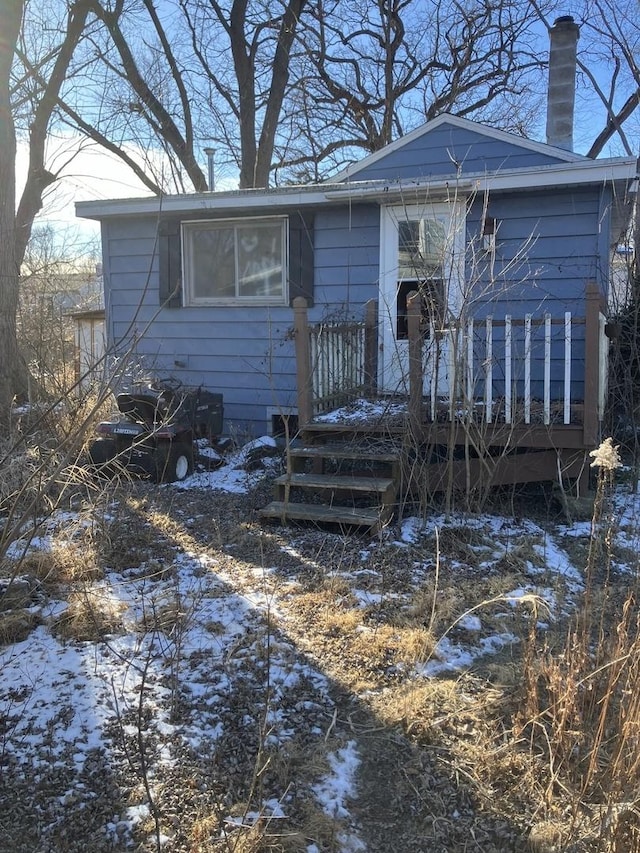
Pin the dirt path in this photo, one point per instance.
(411, 796)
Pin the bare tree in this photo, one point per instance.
(32, 99)
(257, 100)
(613, 31)
(177, 77)
(378, 69)
(10, 20)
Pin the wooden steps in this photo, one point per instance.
(354, 483)
(334, 483)
(361, 516)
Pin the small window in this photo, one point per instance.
(421, 254)
(234, 262)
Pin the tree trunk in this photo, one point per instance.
(12, 371)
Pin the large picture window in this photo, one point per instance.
(235, 261)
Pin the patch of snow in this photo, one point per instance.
(363, 411)
(410, 530)
(335, 789)
(368, 599)
(469, 623)
(451, 656)
(543, 594)
(557, 561)
(232, 476)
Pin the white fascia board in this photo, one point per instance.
(567, 174)
(559, 174)
(464, 124)
(193, 203)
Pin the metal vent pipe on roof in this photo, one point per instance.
(561, 95)
(211, 176)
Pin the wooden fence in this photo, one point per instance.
(336, 361)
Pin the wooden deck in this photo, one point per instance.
(472, 438)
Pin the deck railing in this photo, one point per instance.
(509, 370)
(336, 361)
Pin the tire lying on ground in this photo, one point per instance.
(175, 465)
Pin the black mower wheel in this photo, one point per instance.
(102, 450)
(102, 453)
(176, 465)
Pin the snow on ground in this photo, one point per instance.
(76, 690)
(336, 789)
(59, 700)
(235, 475)
(189, 637)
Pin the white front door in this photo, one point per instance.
(421, 249)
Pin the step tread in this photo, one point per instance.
(335, 481)
(321, 512)
(339, 451)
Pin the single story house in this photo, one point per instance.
(200, 286)
(508, 243)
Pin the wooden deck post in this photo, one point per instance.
(371, 346)
(303, 361)
(414, 316)
(591, 366)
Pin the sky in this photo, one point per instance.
(91, 174)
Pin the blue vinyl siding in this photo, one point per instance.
(244, 352)
(549, 244)
(557, 233)
(450, 150)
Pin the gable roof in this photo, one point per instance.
(457, 126)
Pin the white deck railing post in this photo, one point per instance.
(567, 367)
(470, 366)
(527, 368)
(488, 388)
(547, 368)
(507, 368)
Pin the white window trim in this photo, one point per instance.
(193, 301)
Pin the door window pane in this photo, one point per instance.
(421, 247)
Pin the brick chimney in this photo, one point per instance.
(561, 95)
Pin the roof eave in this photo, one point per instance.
(538, 177)
(217, 202)
(563, 174)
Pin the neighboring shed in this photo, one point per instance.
(90, 346)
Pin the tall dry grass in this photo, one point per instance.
(580, 706)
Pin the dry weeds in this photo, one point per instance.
(523, 752)
(91, 616)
